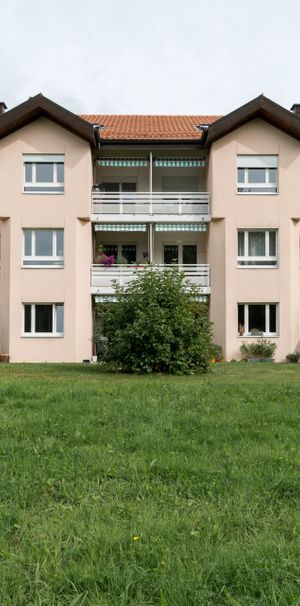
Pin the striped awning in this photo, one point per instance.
(105, 299)
(120, 227)
(180, 162)
(180, 227)
(122, 162)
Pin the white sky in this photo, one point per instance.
(155, 56)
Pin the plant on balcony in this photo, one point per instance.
(103, 259)
(260, 350)
(157, 324)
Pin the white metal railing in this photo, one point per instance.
(146, 203)
(101, 277)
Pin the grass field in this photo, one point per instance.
(119, 490)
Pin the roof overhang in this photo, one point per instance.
(38, 107)
(260, 107)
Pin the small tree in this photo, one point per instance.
(158, 325)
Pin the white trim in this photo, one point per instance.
(54, 260)
(34, 186)
(52, 334)
(267, 332)
(246, 260)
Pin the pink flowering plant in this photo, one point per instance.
(103, 259)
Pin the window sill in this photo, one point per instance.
(43, 193)
(43, 335)
(257, 193)
(42, 266)
(265, 336)
(257, 267)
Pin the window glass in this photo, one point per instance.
(129, 187)
(60, 172)
(27, 242)
(170, 254)
(272, 175)
(189, 254)
(59, 318)
(272, 243)
(43, 242)
(43, 318)
(44, 172)
(241, 175)
(110, 249)
(241, 244)
(257, 318)
(28, 172)
(272, 318)
(60, 242)
(256, 244)
(27, 320)
(129, 252)
(241, 317)
(110, 187)
(256, 175)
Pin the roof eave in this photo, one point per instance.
(40, 106)
(260, 107)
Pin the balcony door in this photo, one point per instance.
(183, 254)
(119, 187)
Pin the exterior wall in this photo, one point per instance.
(69, 285)
(236, 211)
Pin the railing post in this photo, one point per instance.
(179, 204)
(121, 205)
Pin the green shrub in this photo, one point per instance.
(293, 357)
(158, 325)
(216, 352)
(262, 348)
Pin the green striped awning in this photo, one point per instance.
(122, 162)
(120, 227)
(180, 162)
(180, 227)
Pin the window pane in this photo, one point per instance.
(257, 318)
(60, 173)
(273, 327)
(27, 242)
(27, 318)
(43, 242)
(241, 318)
(110, 187)
(170, 254)
(129, 252)
(273, 175)
(28, 172)
(44, 172)
(256, 175)
(272, 244)
(59, 318)
(43, 318)
(189, 254)
(110, 249)
(256, 244)
(129, 187)
(241, 175)
(60, 242)
(241, 244)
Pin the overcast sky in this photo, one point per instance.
(155, 56)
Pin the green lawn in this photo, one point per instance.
(119, 490)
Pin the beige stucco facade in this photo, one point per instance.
(73, 284)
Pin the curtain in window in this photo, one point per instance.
(256, 244)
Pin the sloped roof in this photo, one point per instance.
(39, 106)
(260, 107)
(149, 128)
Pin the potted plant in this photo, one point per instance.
(260, 350)
(103, 259)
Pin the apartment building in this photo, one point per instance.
(88, 199)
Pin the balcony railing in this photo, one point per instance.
(101, 277)
(149, 204)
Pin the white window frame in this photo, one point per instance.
(37, 187)
(248, 261)
(180, 251)
(262, 162)
(54, 333)
(54, 261)
(120, 246)
(266, 333)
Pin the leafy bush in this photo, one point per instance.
(216, 352)
(158, 325)
(293, 357)
(262, 348)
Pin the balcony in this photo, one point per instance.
(101, 277)
(146, 206)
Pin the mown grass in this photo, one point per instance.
(118, 490)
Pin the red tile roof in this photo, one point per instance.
(163, 128)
